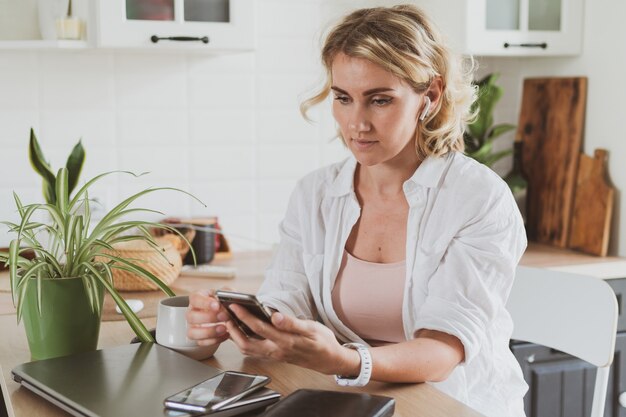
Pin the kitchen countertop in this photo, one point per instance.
(565, 260)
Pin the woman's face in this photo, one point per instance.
(377, 112)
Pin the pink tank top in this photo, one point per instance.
(367, 298)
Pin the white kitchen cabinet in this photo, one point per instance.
(510, 27)
(495, 27)
(212, 25)
(524, 27)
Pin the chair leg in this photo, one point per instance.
(3, 407)
(599, 392)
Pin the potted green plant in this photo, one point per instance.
(59, 294)
(74, 165)
(481, 133)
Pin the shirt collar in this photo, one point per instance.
(430, 171)
(428, 174)
(344, 181)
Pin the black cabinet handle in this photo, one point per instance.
(542, 45)
(155, 38)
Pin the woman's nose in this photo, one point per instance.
(359, 125)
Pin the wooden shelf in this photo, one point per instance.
(43, 44)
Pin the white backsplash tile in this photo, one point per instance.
(225, 197)
(168, 202)
(235, 63)
(78, 91)
(15, 127)
(71, 62)
(297, 18)
(76, 80)
(19, 61)
(334, 151)
(221, 126)
(284, 90)
(63, 127)
(285, 125)
(303, 56)
(15, 169)
(273, 195)
(223, 163)
(286, 161)
(150, 92)
(149, 81)
(143, 62)
(163, 163)
(153, 127)
(221, 90)
(267, 229)
(19, 87)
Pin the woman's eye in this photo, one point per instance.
(342, 99)
(381, 101)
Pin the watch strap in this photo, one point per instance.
(366, 368)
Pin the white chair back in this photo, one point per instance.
(576, 314)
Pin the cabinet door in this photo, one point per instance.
(562, 386)
(524, 27)
(617, 385)
(227, 24)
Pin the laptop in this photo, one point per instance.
(125, 381)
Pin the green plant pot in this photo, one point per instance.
(66, 325)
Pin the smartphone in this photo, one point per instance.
(247, 301)
(254, 401)
(216, 392)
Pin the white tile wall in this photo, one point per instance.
(225, 127)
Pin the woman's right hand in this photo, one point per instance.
(206, 319)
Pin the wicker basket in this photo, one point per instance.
(143, 255)
(178, 242)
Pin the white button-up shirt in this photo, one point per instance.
(465, 237)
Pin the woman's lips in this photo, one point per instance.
(363, 144)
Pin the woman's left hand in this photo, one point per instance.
(305, 343)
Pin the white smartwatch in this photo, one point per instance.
(366, 368)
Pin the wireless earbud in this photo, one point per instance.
(426, 108)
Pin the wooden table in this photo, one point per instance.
(411, 399)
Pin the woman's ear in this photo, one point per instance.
(435, 92)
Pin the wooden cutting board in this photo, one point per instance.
(593, 206)
(551, 127)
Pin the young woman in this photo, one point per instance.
(395, 264)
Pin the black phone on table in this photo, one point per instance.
(216, 392)
(249, 302)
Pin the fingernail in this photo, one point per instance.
(222, 316)
(278, 317)
(215, 305)
(220, 330)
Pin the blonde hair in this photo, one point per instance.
(404, 41)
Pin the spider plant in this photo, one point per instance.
(68, 247)
(481, 133)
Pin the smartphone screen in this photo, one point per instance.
(216, 392)
(250, 303)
